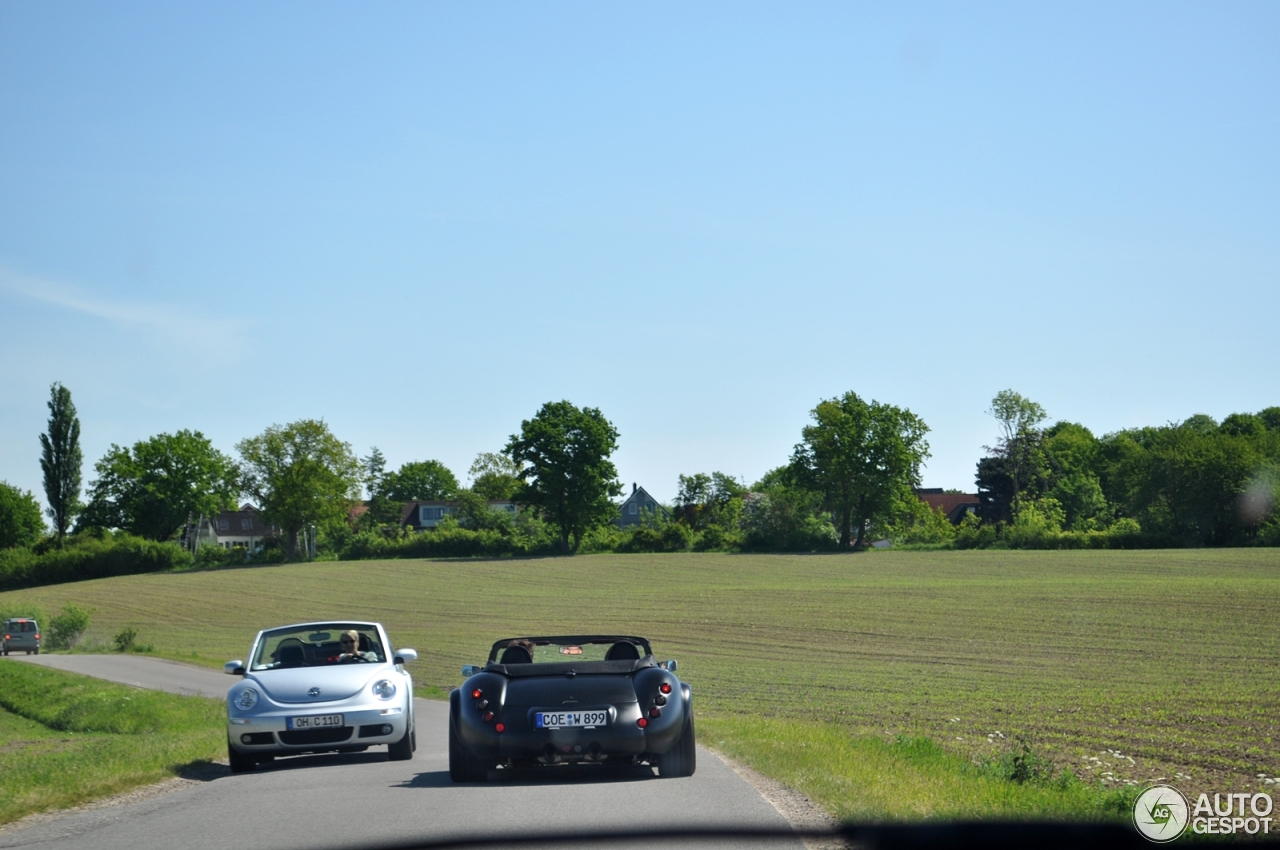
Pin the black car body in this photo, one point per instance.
(572, 698)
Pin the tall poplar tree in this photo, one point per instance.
(61, 460)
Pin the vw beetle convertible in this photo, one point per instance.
(320, 687)
(576, 698)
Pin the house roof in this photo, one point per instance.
(954, 505)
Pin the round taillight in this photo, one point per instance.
(482, 704)
(665, 687)
(488, 717)
(642, 722)
(501, 727)
(477, 693)
(655, 712)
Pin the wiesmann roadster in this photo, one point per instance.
(575, 698)
(320, 687)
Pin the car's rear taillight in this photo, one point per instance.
(488, 717)
(477, 693)
(642, 722)
(655, 712)
(37, 636)
(665, 687)
(501, 727)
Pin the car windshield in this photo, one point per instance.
(315, 646)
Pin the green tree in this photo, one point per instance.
(1071, 453)
(20, 520)
(563, 457)
(862, 457)
(494, 476)
(1018, 418)
(382, 510)
(160, 484)
(300, 474)
(61, 460)
(703, 500)
(422, 479)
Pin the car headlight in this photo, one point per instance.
(246, 699)
(384, 689)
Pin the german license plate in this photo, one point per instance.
(560, 719)
(316, 721)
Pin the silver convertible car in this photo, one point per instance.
(319, 688)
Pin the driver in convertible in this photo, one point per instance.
(350, 643)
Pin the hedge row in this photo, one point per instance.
(85, 558)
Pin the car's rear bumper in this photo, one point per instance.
(520, 742)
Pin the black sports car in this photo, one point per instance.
(575, 698)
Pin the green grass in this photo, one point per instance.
(67, 739)
(863, 779)
(1122, 667)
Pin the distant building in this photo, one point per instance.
(426, 514)
(637, 506)
(243, 528)
(955, 505)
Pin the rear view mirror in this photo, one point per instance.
(470, 670)
(669, 665)
(233, 668)
(405, 655)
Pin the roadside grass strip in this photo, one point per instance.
(904, 779)
(67, 739)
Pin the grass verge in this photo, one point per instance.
(905, 779)
(66, 739)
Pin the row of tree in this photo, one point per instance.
(301, 475)
(849, 480)
(1194, 483)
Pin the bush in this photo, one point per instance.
(657, 536)
(715, 538)
(88, 557)
(125, 638)
(66, 628)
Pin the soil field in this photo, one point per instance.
(1124, 666)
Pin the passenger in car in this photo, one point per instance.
(517, 652)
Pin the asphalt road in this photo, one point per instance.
(359, 800)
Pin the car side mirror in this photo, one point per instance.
(470, 670)
(405, 655)
(233, 668)
(669, 665)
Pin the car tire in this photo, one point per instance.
(240, 763)
(37, 651)
(401, 750)
(463, 766)
(682, 758)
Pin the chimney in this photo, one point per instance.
(633, 487)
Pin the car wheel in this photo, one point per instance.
(37, 651)
(463, 766)
(682, 759)
(401, 750)
(240, 763)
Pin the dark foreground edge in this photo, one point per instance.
(1048, 835)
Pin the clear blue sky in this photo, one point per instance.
(420, 221)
